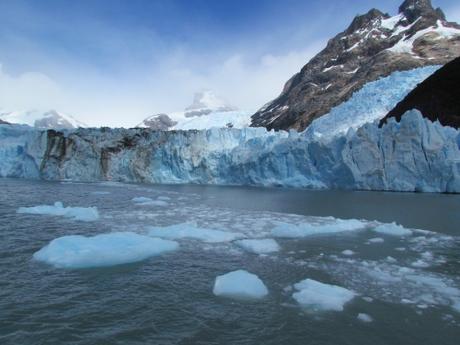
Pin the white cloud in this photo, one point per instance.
(164, 87)
(27, 90)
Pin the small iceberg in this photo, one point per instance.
(318, 296)
(364, 317)
(144, 201)
(102, 250)
(86, 214)
(191, 231)
(263, 246)
(375, 240)
(240, 284)
(286, 230)
(392, 229)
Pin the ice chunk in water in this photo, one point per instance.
(392, 229)
(348, 252)
(319, 296)
(188, 230)
(86, 214)
(240, 284)
(364, 317)
(102, 250)
(375, 240)
(143, 201)
(263, 246)
(307, 229)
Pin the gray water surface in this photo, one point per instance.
(168, 299)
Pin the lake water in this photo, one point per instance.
(168, 299)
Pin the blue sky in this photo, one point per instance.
(114, 62)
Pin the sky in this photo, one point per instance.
(115, 62)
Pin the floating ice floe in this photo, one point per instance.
(262, 246)
(348, 252)
(144, 201)
(86, 214)
(364, 317)
(375, 240)
(100, 193)
(240, 284)
(392, 229)
(393, 283)
(102, 250)
(287, 230)
(321, 297)
(191, 231)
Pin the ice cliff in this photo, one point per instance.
(412, 155)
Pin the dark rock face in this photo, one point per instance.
(161, 122)
(3, 122)
(437, 98)
(373, 46)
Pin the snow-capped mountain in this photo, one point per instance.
(206, 102)
(50, 119)
(373, 46)
(206, 111)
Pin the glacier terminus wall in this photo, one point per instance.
(413, 155)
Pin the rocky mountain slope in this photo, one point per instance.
(437, 98)
(50, 119)
(373, 46)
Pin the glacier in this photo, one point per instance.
(370, 103)
(414, 155)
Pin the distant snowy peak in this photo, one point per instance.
(373, 46)
(206, 102)
(206, 111)
(50, 119)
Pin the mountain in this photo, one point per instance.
(206, 111)
(3, 122)
(50, 119)
(373, 46)
(437, 98)
(160, 122)
(206, 102)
